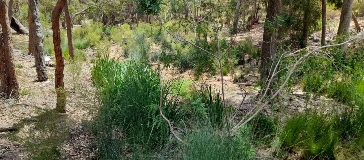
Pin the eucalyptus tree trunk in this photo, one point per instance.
(69, 31)
(59, 84)
(9, 87)
(270, 36)
(237, 16)
(323, 31)
(36, 40)
(345, 18)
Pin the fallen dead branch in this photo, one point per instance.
(264, 101)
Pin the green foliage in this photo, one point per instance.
(138, 47)
(207, 107)
(300, 19)
(206, 144)
(246, 47)
(358, 8)
(315, 79)
(263, 128)
(342, 91)
(89, 35)
(149, 6)
(120, 34)
(312, 134)
(130, 97)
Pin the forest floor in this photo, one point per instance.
(32, 118)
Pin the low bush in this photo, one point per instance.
(206, 107)
(310, 134)
(263, 128)
(89, 35)
(206, 144)
(130, 97)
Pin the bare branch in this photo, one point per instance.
(292, 70)
(161, 110)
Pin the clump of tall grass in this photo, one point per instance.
(130, 94)
(205, 143)
(311, 134)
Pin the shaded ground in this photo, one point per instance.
(39, 97)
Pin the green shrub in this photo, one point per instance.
(350, 125)
(138, 47)
(263, 128)
(204, 106)
(120, 34)
(206, 144)
(311, 134)
(343, 91)
(89, 35)
(130, 95)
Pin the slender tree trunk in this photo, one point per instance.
(305, 29)
(59, 84)
(69, 31)
(323, 31)
(36, 40)
(10, 9)
(345, 18)
(31, 48)
(9, 87)
(269, 46)
(357, 26)
(237, 16)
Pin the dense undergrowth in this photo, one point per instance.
(129, 122)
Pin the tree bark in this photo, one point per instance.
(59, 84)
(10, 9)
(306, 25)
(323, 31)
(31, 48)
(357, 26)
(9, 87)
(237, 16)
(36, 40)
(269, 46)
(345, 18)
(69, 31)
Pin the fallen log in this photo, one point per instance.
(18, 27)
(8, 129)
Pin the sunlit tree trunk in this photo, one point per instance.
(323, 31)
(59, 84)
(69, 30)
(9, 87)
(269, 46)
(36, 40)
(237, 16)
(345, 18)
